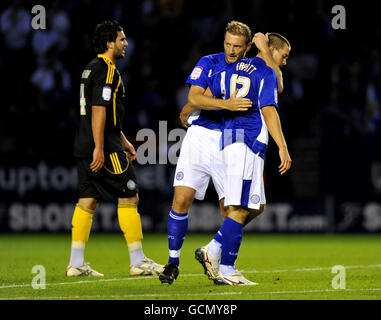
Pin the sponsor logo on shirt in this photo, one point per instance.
(106, 93)
(196, 73)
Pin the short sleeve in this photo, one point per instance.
(215, 85)
(268, 94)
(101, 91)
(199, 75)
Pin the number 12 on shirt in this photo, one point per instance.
(244, 81)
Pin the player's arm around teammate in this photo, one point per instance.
(199, 98)
(196, 97)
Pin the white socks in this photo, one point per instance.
(214, 249)
(226, 270)
(77, 257)
(136, 253)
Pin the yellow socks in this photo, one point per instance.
(129, 221)
(81, 226)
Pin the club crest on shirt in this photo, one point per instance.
(131, 185)
(179, 175)
(255, 198)
(106, 93)
(196, 73)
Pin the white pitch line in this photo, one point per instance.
(79, 282)
(191, 275)
(130, 296)
(311, 269)
(317, 291)
(193, 294)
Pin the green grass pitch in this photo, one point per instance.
(287, 267)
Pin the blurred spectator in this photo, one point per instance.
(43, 77)
(44, 40)
(152, 103)
(181, 96)
(60, 23)
(15, 26)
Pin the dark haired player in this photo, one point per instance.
(104, 155)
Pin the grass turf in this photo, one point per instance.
(287, 267)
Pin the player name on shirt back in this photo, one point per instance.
(246, 67)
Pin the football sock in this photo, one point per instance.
(81, 226)
(177, 229)
(136, 253)
(214, 246)
(231, 240)
(77, 255)
(226, 270)
(130, 224)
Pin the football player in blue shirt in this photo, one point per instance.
(244, 141)
(200, 156)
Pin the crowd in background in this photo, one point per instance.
(332, 81)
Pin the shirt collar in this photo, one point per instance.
(107, 59)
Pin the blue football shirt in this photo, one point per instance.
(254, 80)
(205, 69)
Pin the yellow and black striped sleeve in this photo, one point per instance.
(103, 83)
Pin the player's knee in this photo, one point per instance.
(88, 203)
(224, 212)
(182, 199)
(238, 213)
(131, 200)
(182, 203)
(254, 213)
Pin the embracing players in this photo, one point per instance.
(200, 156)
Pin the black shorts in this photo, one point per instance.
(115, 180)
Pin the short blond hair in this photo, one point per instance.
(239, 29)
(277, 40)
